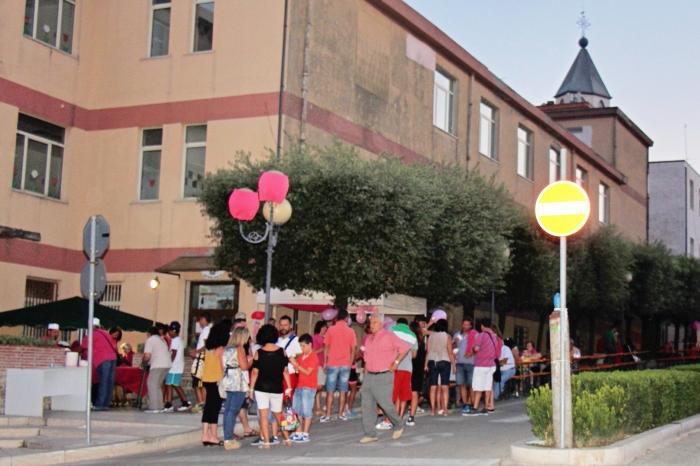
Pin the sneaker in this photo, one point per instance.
(491, 411)
(419, 410)
(471, 413)
(168, 405)
(384, 425)
(170, 409)
(302, 438)
(232, 444)
(410, 421)
(466, 409)
(258, 441)
(294, 437)
(197, 408)
(153, 411)
(324, 419)
(342, 417)
(484, 411)
(352, 414)
(368, 440)
(185, 407)
(274, 440)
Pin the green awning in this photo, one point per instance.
(72, 313)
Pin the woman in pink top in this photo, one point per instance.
(320, 330)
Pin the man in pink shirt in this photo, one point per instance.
(104, 363)
(383, 351)
(338, 353)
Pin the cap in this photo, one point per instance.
(95, 321)
(174, 325)
(53, 327)
(241, 315)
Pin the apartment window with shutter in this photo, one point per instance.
(151, 146)
(112, 296)
(203, 26)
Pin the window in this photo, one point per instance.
(203, 26)
(37, 291)
(582, 177)
(195, 155)
(691, 195)
(160, 27)
(443, 101)
(554, 165)
(50, 21)
(151, 143)
(525, 153)
(691, 249)
(112, 296)
(38, 157)
(603, 204)
(488, 131)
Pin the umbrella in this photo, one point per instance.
(72, 313)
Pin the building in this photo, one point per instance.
(119, 108)
(674, 206)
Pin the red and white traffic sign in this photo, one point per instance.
(562, 208)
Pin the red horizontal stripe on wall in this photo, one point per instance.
(17, 251)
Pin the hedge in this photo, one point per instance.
(15, 340)
(610, 405)
(689, 368)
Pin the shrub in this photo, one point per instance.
(16, 340)
(608, 405)
(689, 368)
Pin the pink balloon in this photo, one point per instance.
(387, 320)
(349, 321)
(329, 314)
(361, 316)
(439, 314)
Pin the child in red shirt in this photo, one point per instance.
(306, 365)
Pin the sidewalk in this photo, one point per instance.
(60, 437)
(684, 451)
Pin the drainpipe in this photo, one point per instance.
(469, 118)
(305, 79)
(281, 99)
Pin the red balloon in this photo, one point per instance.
(258, 315)
(243, 204)
(273, 186)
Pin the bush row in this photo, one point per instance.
(609, 405)
(16, 340)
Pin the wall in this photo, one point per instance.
(667, 204)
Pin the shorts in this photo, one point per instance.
(465, 374)
(483, 379)
(353, 376)
(439, 370)
(173, 379)
(337, 376)
(417, 379)
(271, 401)
(321, 378)
(303, 402)
(196, 383)
(402, 386)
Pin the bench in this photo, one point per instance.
(25, 390)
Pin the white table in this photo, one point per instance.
(25, 390)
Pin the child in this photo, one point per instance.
(172, 380)
(306, 365)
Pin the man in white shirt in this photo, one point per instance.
(507, 367)
(156, 353)
(290, 343)
(172, 380)
(198, 354)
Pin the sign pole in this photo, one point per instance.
(565, 420)
(91, 314)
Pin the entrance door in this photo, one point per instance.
(219, 299)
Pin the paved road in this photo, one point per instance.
(452, 440)
(682, 452)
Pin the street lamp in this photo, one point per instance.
(243, 206)
(506, 255)
(154, 284)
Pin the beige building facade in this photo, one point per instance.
(120, 108)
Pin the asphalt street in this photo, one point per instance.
(685, 451)
(452, 440)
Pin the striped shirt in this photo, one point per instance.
(486, 341)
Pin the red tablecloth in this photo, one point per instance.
(130, 379)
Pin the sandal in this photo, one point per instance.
(237, 437)
(251, 433)
(265, 446)
(287, 443)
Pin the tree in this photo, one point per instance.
(362, 228)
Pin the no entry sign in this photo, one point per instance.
(562, 208)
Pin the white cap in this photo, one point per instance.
(53, 327)
(95, 321)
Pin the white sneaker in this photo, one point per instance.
(384, 425)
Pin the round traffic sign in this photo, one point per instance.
(562, 208)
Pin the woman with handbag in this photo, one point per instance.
(269, 369)
(212, 373)
(234, 362)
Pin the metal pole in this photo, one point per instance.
(271, 240)
(281, 98)
(91, 313)
(565, 370)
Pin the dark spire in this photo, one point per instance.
(583, 76)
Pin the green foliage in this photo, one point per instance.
(361, 228)
(607, 405)
(687, 368)
(16, 340)
(653, 280)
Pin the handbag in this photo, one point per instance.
(197, 366)
(497, 374)
(289, 420)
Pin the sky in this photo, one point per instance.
(647, 53)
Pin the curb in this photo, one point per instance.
(618, 453)
(101, 452)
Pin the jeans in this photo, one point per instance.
(376, 390)
(498, 386)
(234, 402)
(337, 376)
(105, 373)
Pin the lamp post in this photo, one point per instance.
(243, 206)
(154, 284)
